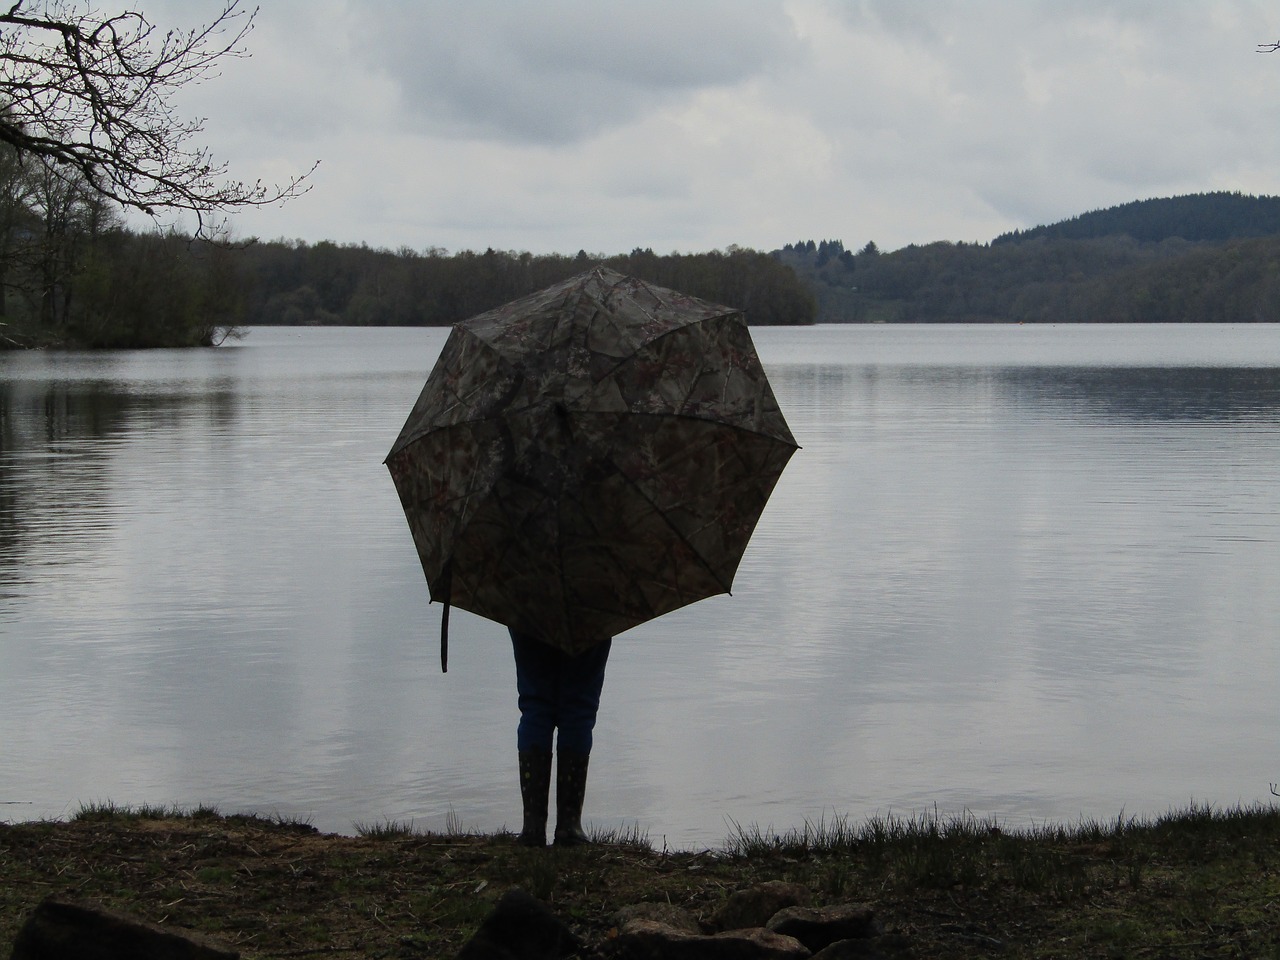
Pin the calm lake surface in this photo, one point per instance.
(1028, 572)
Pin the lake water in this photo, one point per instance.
(1027, 572)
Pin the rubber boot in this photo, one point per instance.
(571, 789)
(535, 784)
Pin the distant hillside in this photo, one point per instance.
(826, 268)
(1197, 217)
(1206, 258)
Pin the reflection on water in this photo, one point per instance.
(1211, 394)
(1031, 572)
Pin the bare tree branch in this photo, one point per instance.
(1269, 47)
(94, 92)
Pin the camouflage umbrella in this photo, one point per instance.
(588, 458)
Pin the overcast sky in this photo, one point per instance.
(690, 125)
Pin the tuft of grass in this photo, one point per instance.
(386, 830)
(839, 836)
(97, 810)
(453, 826)
(623, 836)
(276, 820)
(390, 829)
(106, 810)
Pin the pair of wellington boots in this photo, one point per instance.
(571, 789)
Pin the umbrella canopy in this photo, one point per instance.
(589, 457)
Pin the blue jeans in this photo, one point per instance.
(557, 691)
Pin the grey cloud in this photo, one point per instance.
(1044, 109)
(557, 72)
(934, 20)
(699, 123)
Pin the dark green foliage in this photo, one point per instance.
(1205, 259)
(127, 290)
(70, 274)
(768, 292)
(1111, 280)
(138, 290)
(83, 280)
(141, 290)
(1202, 216)
(297, 283)
(831, 274)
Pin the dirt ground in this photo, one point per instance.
(1202, 886)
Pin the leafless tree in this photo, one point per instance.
(93, 92)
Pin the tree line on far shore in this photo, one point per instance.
(116, 288)
(326, 283)
(72, 274)
(1203, 258)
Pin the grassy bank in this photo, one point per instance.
(1196, 883)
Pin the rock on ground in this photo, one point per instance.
(664, 913)
(520, 927)
(818, 927)
(754, 906)
(649, 940)
(58, 929)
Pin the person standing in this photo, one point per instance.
(559, 695)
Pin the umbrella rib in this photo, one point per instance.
(670, 526)
(787, 443)
(457, 400)
(621, 362)
(702, 418)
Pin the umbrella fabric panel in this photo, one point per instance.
(438, 480)
(707, 368)
(599, 315)
(467, 382)
(707, 481)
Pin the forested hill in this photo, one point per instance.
(1207, 258)
(1201, 216)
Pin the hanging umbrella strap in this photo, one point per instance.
(444, 639)
(447, 583)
